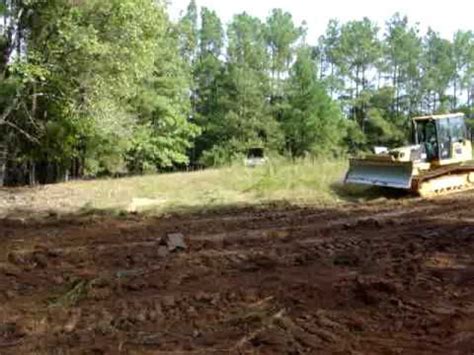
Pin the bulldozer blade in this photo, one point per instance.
(379, 173)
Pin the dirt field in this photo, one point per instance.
(393, 277)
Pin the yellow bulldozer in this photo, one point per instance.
(439, 162)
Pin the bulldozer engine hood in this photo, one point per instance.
(407, 154)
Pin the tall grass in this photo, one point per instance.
(303, 181)
(297, 182)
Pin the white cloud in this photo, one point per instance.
(443, 16)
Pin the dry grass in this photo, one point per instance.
(302, 182)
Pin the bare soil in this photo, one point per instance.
(391, 277)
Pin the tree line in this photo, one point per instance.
(91, 88)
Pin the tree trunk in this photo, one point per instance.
(395, 87)
(321, 67)
(31, 173)
(455, 99)
(357, 83)
(397, 93)
(470, 98)
(3, 164)
(332, 80)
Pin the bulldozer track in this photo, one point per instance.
(444, 181)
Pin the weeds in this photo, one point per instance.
(76, 291)
(306, 181)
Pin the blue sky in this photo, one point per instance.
(444, 16)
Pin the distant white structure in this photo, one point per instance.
(380, 150)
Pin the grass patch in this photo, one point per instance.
(76, 291)
(281, 181)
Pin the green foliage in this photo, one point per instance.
(114, 87)
(382, 127)
(312, 121)
(94, 92)
(438, 70)
(463, 52)
(244, 119)
(224, 154)
(359, 50)
(209, 82)
(381, 84)
(164, 133)
(330, 59)
(402, 55)
(281, 34)
(188, 30)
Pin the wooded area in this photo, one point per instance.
(91, 88)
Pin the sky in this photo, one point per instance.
(444, 16)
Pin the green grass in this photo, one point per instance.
(280, 181)
(302, 182)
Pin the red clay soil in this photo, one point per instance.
(386, 278)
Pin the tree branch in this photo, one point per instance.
(23, 132)
(8, 111)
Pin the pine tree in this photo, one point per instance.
(312, 122)
(438, 68)
(402, 53)
(359, 52)
(208, 76)
(463, 53)
(281, 37)
(247, 120)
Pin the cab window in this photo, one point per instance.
(458, 130)
(445, 138)
(428, 138)
(426, 131)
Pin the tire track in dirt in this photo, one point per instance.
(259, 228)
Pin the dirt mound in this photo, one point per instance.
(386, 278)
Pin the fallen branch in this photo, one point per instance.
(247, 338)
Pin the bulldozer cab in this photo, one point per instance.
(444, 139)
